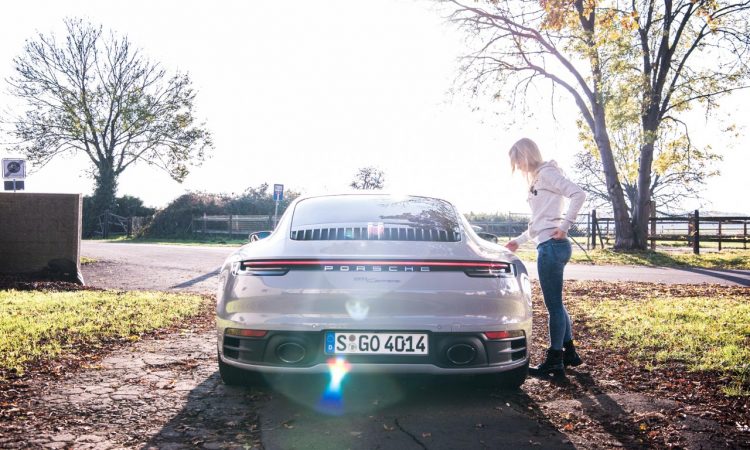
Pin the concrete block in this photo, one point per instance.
(36, 229)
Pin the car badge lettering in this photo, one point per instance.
(375, 268)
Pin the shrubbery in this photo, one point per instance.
(176, 219)
(125, 206)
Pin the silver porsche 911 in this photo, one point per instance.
(384, 283)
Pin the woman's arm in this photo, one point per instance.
(569, 189)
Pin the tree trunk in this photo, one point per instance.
(642, 205)
(623, 229)
(105, 190)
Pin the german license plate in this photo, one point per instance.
(347, 343)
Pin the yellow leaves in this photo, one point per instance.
(629, 22)
(559, 14)
(663, 161)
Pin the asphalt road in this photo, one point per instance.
(194, 268)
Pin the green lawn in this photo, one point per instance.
(36, 326)
(726, 259)
(703, 333)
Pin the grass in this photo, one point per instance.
(726, 259)
(86, 260)
(37, 326)
(710, 334)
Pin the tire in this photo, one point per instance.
(233, 376)
(513, 379)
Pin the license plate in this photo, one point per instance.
(343, 343)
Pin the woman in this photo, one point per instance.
(547, 188)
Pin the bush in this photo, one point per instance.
(126, 206)
(176, 219)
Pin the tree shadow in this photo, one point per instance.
(214, 416)
(195, 280)
(370, 411)
(616, 415)
(739, 277)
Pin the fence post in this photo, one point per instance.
(593, 228)
(130, 226)
(230, 226)
(653, 224)
(719, 234)
(696, 233)
(204, 223)
(744, 233)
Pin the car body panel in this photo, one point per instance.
(369, 297)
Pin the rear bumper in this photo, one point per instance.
(303, 352)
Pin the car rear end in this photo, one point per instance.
(388, 284)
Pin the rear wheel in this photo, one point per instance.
(513, 379)
(234, 376)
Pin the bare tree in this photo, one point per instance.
(96, 94)
(663, 57)
(679, 172)
(368, 178)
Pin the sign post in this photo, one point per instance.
(278, 195)
(14, 172)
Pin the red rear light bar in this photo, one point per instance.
(472, 268)
(245, 332)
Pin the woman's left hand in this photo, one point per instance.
(559, 234)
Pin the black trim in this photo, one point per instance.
(261, 351)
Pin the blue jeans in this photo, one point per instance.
(551, 259)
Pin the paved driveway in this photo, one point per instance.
(194, 268)
(166, 393)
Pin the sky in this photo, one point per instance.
(304, 93)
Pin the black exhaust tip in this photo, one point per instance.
(461, 354)
(291, 352)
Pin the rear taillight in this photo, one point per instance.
(493, 335)
(263, 268)
(491, 269)
(244, 332)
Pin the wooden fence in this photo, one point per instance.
(692, 229)
(232, 225)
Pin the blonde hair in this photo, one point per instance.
(525, 156)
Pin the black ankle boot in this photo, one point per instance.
(552, 365)
(570, 356)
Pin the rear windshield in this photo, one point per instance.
(386, 211)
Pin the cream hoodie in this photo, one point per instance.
(546, 195)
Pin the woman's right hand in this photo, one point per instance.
(512, 246)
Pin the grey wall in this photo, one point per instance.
(37, 228)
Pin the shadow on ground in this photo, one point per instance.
(373, 411)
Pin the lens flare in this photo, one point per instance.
(331, 402)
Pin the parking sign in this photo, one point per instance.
(278, 192)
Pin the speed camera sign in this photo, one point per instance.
(14, 169)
